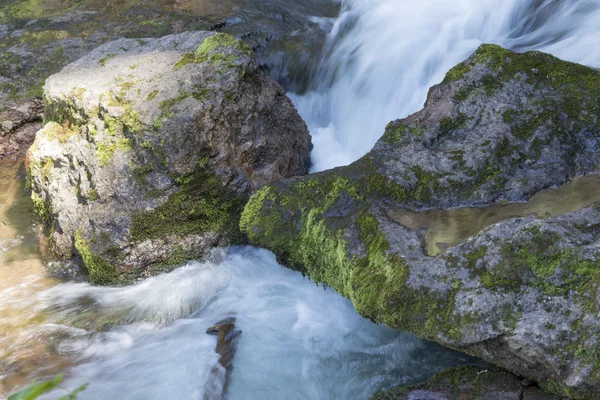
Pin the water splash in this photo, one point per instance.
(299, 340)
(382, 56)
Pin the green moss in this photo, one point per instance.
(45, 168)
(427, 184)
(42, 208)
(35, 9)
(474, 256)
(177, 258)
(42, 38)
(101, 271)
(62, 133)
(463, 93)
(577, 86)
(188, 58)
(490, 84)
(550, 70)
(166, 107)
(93, 195)
(152, 95)
(208, 51)
(448, 124)
(553, 387)
(220, 40)
(509, 116)
(457, 156)
(103, 61)
(394, 133)
(140, 172)
(105, 150)
(457, 72)
(129, 121)
(527, 126)
(416, 129)
(202, 204)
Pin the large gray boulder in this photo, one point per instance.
(151, 148)
(523, 293)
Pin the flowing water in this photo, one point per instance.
(447, 228)
(148, 341)
(299, 341)
(382, 56)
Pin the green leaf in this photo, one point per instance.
(74, 393)
(35, 390)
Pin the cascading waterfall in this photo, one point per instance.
(299, 341)
(382, 56)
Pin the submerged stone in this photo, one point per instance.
(151, 148)
(226, 344)
(521, 293)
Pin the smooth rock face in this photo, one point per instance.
(152, 147)
(521, 294)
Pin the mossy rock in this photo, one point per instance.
(140, 169)
(520, 294)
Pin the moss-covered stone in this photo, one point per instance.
(202, 203)
(340, 227)
(42, 208)
(152, 166)
(207, 52)
(100, 270)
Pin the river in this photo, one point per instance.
(299, 340)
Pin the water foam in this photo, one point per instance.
(298, 340)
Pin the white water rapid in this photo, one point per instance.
(298, 341)
(382, 56)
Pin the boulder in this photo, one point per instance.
(521, 294)
(151, 148)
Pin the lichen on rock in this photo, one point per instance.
(521, 294)
(152, 164)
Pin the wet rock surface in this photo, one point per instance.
(522, 293)
(18, 124)
(226, 342)
(469, 383)
(152, 147)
